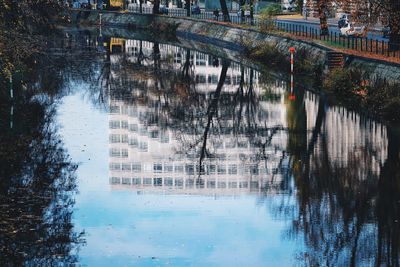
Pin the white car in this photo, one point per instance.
(350, 30)
(343, 19)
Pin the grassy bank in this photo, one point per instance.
(271, 57)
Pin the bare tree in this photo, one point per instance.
(156, 6)
(323, 16)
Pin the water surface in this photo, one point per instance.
(190, 159)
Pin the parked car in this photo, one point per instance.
(196, 10)
(386, 31)
(343, 19)
(350, 30)
(163, 9)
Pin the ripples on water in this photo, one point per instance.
(186, 158)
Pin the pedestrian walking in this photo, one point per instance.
(216, 14)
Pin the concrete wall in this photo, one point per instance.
(390, 71)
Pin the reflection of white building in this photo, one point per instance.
(350, 137)
(147, 154)
(206, 67)
(143, 156)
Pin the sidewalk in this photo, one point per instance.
(332, 22)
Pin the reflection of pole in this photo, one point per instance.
(11, 88)
(100, 24)
(291, 83)
(11, 116)
(291, 95)
(12, 103)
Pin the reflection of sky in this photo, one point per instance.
(127, 229)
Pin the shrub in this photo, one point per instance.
(267, 15)
(345, 82)
(383, 98)
(270, 11)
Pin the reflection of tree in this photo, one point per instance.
(387, 206)
(37, 179)
(212, 110)
(346, 213)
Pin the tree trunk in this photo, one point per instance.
(179, 4)
(242, 3)
(141, 55)
(225, 11)
(156, 7)
(394, 25)
(323, 19)
(186, 66)
(187, 6)
(156, 55)
(251, 12)
(212, 110)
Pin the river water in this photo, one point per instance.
(159, 154)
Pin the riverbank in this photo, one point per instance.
(233, 37)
